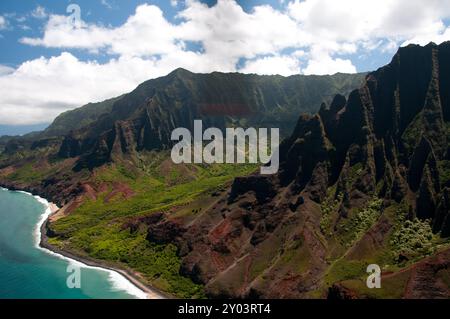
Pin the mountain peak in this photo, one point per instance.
(180, 72)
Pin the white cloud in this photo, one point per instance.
(355, 20)
(328, 65)
(228, 33)
(309, 36)
(2, 23)
(24, 27)
(282, 65)
(43, 88)
(145, 33)
(21, 19)
(225, 31)
(320, 62)
(39, 13)
(106, 4)
(174, 3)
(425, 39)
(4, 70)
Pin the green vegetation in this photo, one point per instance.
(344, 269)
(411, 136)
(407, 242)
(444, 165)
(96, 228)
(353, 173)
(328, 206)
(412, 240)
(159, 264)
(391, 287)
(367, 216)
(27, 174)
(444, 171)
(79, 117)
(353, 228)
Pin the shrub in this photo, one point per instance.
(412, 240)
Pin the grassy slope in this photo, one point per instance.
(78, 118)
(351, 251)
(95, 228)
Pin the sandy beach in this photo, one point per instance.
(131, 276)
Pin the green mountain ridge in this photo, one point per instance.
(111, 161)
(364, 178)
(78, 118)
(364, 181)
(147, 115)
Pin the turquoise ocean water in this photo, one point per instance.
(27, 271)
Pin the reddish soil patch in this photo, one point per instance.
(6, 171)
(89, 191)
(119, 188)
(220, 231)
(220, 261)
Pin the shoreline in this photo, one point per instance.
(132, 278)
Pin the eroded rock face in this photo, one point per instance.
(442, 217)
(145, 118)
(262, 187)
(388, 139)
(426, 278)
(338, 292)
(164, 232)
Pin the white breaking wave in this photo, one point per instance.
(117, 280)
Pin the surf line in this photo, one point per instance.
(117, 280)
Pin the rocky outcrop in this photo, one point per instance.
(276, 236)
(164, 232)
(338, 292)
(442, 217)
(388, 139)
(145, 118)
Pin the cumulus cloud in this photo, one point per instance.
(2, 23)
(424, 39)
(43, 88)
(350, 26)
(309, 36)
(328, 65)
(228, 33)
(145, 33)
(40, 89)
(4, 70)
(39, 13)
(354, 20)
(282, 65)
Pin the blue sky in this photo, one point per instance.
(107, 12)
(50, 64)
(112, 13)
